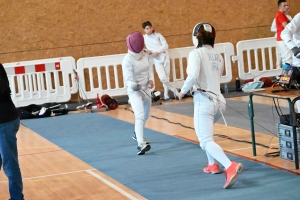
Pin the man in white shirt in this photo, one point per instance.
(157, 46)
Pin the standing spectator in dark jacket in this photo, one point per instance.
(9, 126)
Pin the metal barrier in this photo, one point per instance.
(41, 81)
(181, 54)
(248, 50)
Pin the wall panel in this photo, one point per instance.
(38, 29)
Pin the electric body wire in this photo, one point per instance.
(218, 135)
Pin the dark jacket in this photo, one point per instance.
(8, 110)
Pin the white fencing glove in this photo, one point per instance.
(135, 86)
(296, 52)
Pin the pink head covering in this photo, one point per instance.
(135, 42)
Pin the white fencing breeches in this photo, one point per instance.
(140, 103)
(208, 108)
(163, 72)
(285, 53)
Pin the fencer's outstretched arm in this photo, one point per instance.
(163, 42)
(289, 30)
(273, 26)
(192, 71)
(4, 84)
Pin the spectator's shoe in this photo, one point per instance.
(167, 99)
(232, 173)
(143, 148)
(214, 169)
(134, 138)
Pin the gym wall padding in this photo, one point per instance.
(36, 29)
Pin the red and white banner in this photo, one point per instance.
(27, 69)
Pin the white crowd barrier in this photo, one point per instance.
(99, 71)
(41, 81)
(181, 54)
(93, 78)
(262, 65)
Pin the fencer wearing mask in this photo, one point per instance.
(137, 68)
(204, 70)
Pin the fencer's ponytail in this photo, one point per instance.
(205, 37)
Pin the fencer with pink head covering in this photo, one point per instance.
(135, 42)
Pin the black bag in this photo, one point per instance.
(32, 111)
(37, 111)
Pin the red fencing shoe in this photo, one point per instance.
(214, 169)
(231, 174)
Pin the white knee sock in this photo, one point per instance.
(210, 159)
(139, 130)
(217, 152)
(166, 91)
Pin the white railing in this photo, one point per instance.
(95, 76)
(96, 72)
(41, 81)
(103, 74)
(256, 50)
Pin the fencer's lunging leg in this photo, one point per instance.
(217, 152)
(205, 110)
(137, 106)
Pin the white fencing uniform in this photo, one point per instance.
(291, 37)
(157, 43)
(204, 70)
(141, 71)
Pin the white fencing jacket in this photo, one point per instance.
(157, 42)
(140, 71)
(291, 36)
(204, 70)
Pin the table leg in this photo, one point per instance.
(251, 115)
(293, 121)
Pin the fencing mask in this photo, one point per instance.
(207, 34)
(135, 42)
